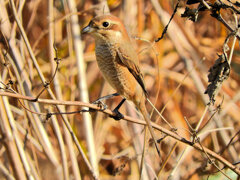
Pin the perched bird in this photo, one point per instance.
(118, 62)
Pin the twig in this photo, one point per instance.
(133, 120)
(47, 84)
(82, 84)
(49, 91)
(18, 142)
(55, 59)
(220, 18)
(168, 157)
(6, 173)
(166, 27)
(145, 146)
(234, 39)
(212, 115)
(202, 117)
(210, 160)
(205, 4)
(230, 142)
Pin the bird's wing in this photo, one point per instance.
(127, 57)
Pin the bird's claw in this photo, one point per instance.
(100, 104)
(117, 115)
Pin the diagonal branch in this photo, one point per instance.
(133, 120)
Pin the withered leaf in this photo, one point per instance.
(193, 1)
(191, 14)
(218, 73)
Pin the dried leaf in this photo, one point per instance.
(218, 73)
(191, 14)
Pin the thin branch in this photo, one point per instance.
(133, 120)
(230, 142)
(33, 58)
(210, 160)
(166, 27)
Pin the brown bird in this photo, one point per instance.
(118, 62)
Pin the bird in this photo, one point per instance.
(118, 62)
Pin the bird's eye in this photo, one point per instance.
(105, 24)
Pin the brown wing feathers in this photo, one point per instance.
(133, 68)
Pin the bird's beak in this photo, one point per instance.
(87, 29)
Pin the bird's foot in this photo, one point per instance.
(100, 104)
(117, 115)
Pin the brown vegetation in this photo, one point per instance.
(48, 74)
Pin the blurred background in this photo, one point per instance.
(44, 48)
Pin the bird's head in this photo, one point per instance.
(106, 27)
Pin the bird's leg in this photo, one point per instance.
(100, 102)
(117, 115)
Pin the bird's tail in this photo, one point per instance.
(142, 108)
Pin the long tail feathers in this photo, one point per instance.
(146, 116)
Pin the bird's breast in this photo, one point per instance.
(116, 74)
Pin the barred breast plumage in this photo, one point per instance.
(114, 72)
